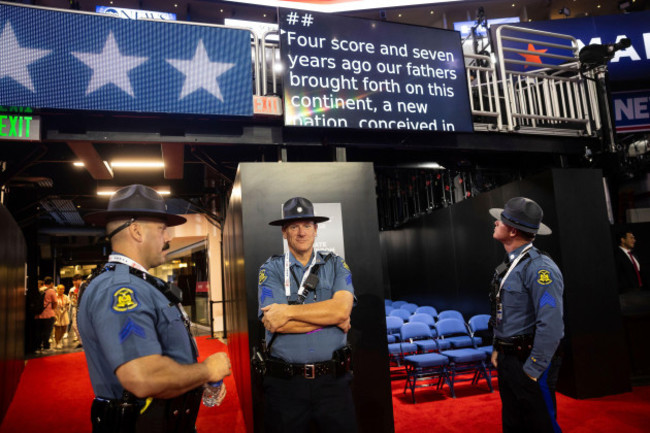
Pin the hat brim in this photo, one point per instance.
(103, 217)
(316, 219)
(542, 231)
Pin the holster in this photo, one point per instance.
(175, 415)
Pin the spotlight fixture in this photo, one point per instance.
(565, 11)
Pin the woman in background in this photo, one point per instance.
(61, 318)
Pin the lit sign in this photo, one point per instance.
(270, 105)
(18, 124)
(353, 73)
(95, 62)
(632, 111)
(342, 5)
(135, 14)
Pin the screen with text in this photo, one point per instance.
(352, 73)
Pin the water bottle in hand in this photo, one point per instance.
(214, 393)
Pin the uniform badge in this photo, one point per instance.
(544, 277)
(262, 276)
(345, 266)
(124, 300)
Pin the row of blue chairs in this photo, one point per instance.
(406, 314)
(436, 353)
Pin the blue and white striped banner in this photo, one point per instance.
(66, 60)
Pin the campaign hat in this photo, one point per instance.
(135, 201)
(298, 208)
(523, 214)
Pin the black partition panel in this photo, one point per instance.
(13, 251)
(257, 197)
(446, 259)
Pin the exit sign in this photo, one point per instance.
(15, 126)
(269, 105)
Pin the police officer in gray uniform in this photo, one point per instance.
(142, 358)
(527, 318)
(305, 301)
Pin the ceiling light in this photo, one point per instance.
(107, 191)
(137, 164)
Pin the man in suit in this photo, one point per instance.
(628, 267)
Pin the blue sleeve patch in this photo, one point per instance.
(348, 279)
(124, 300)
(547, 299)
(266, 293)
(130, 327)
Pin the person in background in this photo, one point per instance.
(73, 294)
(45, 320)
(526, 296)
(61, 316)
(628, 268)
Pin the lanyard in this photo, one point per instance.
(512, 266)
(287, 280)
(126, 261)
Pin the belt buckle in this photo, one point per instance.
(310, 371)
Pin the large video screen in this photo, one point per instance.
(66, 60)
(351, 73)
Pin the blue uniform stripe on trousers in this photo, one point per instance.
(546, 393)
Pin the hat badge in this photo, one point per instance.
(299, 209)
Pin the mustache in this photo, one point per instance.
(166, 246)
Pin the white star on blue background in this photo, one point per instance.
(110, 66)
(14, 59)
(200, 72)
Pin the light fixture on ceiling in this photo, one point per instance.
(107, 191)
(565, 11)
(130, 164)
(137, 164)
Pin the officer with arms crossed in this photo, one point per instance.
(305, 301)
(141, 356)
(527, 318)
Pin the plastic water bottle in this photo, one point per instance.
(214, 393)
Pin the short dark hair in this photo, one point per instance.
(77, 277)
(526, 235)
(48, 280)
(622, 234)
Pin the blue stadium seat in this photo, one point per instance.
(400, 313)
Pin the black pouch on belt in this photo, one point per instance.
(343, 359)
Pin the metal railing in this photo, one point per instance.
(541, 98)
(554, 99)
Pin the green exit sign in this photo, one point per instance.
(16, 126)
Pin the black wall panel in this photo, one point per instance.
(446, 259)
(12, 308)
(257, 197)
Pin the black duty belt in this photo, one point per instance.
(284, 370)
(519, 344)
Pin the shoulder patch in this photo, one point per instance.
(345, 265)
(544, 277)
(262, 277)
(124, 300)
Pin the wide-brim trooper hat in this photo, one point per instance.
(298, 208)
(135, 201)
(523, 214)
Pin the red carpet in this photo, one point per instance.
(475, 409)
(54, 396)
